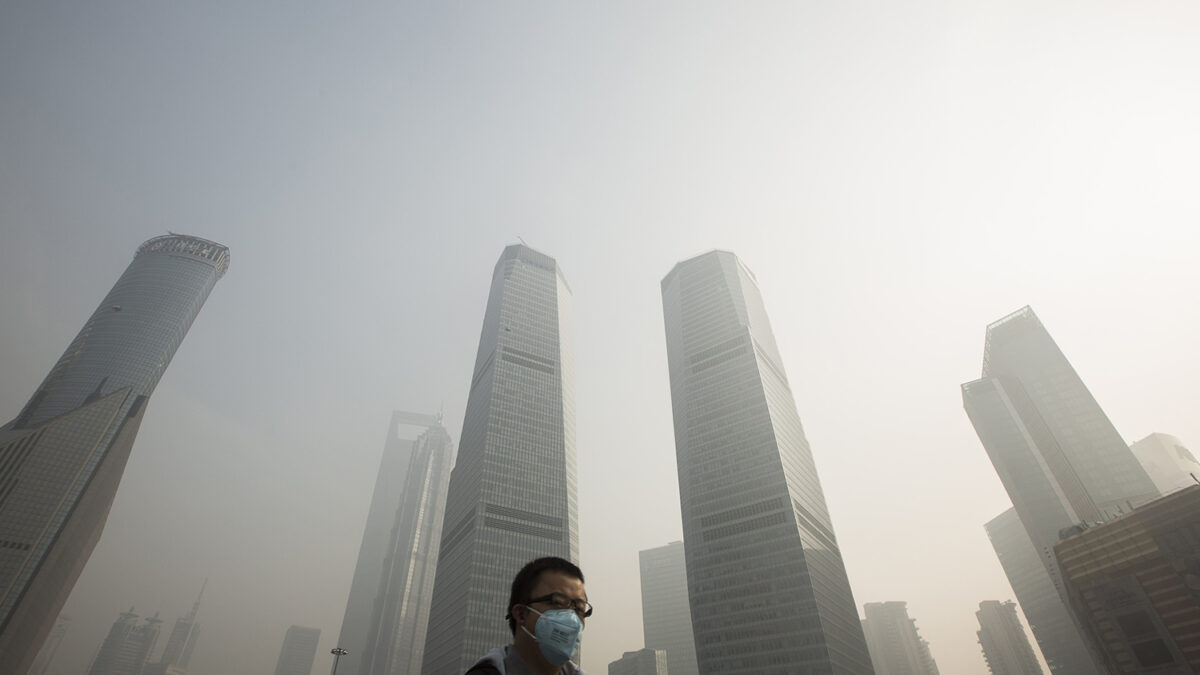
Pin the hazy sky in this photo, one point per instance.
(896, 174)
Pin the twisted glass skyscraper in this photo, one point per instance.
(512, 493)
(61, 459)
(766, 581)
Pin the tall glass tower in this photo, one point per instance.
(512, 493)
(395, 642)
(375, 556)
(1059, 457)
(62, 458)
(666, 615)
(766, 581)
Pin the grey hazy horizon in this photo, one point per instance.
(896, 175)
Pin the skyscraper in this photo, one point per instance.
(1170, 465)
(1049, 619)
(412, 473)
(62, 458)
(1056, 452)
(512, 495)
(181, 641)
(298, 652)
(127, 647)
(666, 613)
(895, 645)
(759, 541)
(1005, 647)
(396, 638)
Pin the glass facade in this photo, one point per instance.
(512, 495)
(766, 581)
(666, 613)
(372, 553)
(61, 458)
(396, 639)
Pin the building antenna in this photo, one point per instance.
(521, 240)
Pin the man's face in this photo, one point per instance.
(554, 590)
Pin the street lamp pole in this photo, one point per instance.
(338, 653)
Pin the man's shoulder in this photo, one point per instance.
(492, 663)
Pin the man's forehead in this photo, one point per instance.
(557, 581)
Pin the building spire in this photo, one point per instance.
(196, 605)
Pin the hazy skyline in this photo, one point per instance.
(897, 176)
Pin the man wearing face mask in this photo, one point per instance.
(546, 611)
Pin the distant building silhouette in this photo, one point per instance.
(1135, 583)
(1170, 465)
(395, 639)
(45, 657)
(895, 645)
(1053, 626)
(1005, 647)
(641, 662)
(127, 647)
(512, 495)
(1056, 452)
(758, 538)
(298, 652)
(666, 613)
(62, 458)
(181, 641)
(368, 570)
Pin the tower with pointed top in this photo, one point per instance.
(62, 457)
(180, 642)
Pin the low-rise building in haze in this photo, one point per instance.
(641, 662)
(1134, 583)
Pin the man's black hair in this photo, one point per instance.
(527, 580)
